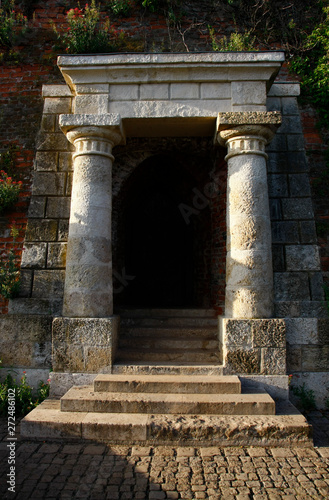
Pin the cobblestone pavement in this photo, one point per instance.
(94, 471)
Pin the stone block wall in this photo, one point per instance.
(43, 260)
(298, 279)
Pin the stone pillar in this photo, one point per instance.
(249, 273)
(88, 282)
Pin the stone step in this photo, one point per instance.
(177, 355)
(178, 313)
(84, 399)
(169, 343)
(287, 428)
(154, 368)
(181, 384)
(171, 321)
(206, 332)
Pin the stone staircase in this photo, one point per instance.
(184, 336)
(168, 409)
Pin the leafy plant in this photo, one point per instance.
(12, 24)
(312, 64)
(10, 269)
(25, 400)
(86, 34)
(306, 397)
(9, 191)
(121, 7)
(236, 42)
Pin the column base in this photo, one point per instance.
(84, 345)
(253, 346)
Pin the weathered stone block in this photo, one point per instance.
(57, 105)
(23, 338)
(302, 330)
(52, 141)
(277, 185)
(299, 185)
(34, 255)
(48, 123)
(315, 358)
(69, 182)
(215, 91)
(184, 91)
(41, 230)
(237, 332)
(316, 282)
(295, 142)
(248, 93)
(278, 258)
(268, 333)
(242, 361)
(84, 344)
(289, 106)
(48, 284)
(58, 207)
(46, 161)
(302, 258)
(154, 92)
(273, 361)
(291, 124)
(25, 287)
(273, 104)
(275, 209)
(91, 104)
(56, 255)
(37, 207)
(285, 232)
(65, 162)
(123, 92)
(294, 358)
(49, 183)
(323, 331)
(297, 209)
(278, 143)
(40, 306)
(307, 232)
(291, 286)
(63, 230)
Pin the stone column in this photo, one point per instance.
(249, 273)
(88, 289)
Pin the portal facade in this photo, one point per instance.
(271, 280)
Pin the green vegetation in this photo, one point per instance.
(10, 269)
(25, 400)
(235, 42)
(120, 7)
(86, 34)
(306, 397)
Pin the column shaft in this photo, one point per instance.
(88, 291)
(249, 272)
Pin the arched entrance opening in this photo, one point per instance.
(158, 242)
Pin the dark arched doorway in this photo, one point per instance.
(158, 242)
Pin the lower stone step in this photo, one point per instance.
(177, 355)
(181, 384)
(169, 343)
(287, 428)
(154, 368)
(84, 399)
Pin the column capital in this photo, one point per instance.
(93, 134)
(246, 132)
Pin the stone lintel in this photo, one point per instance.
(84, 345)
(247, 123)
(253, 346)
